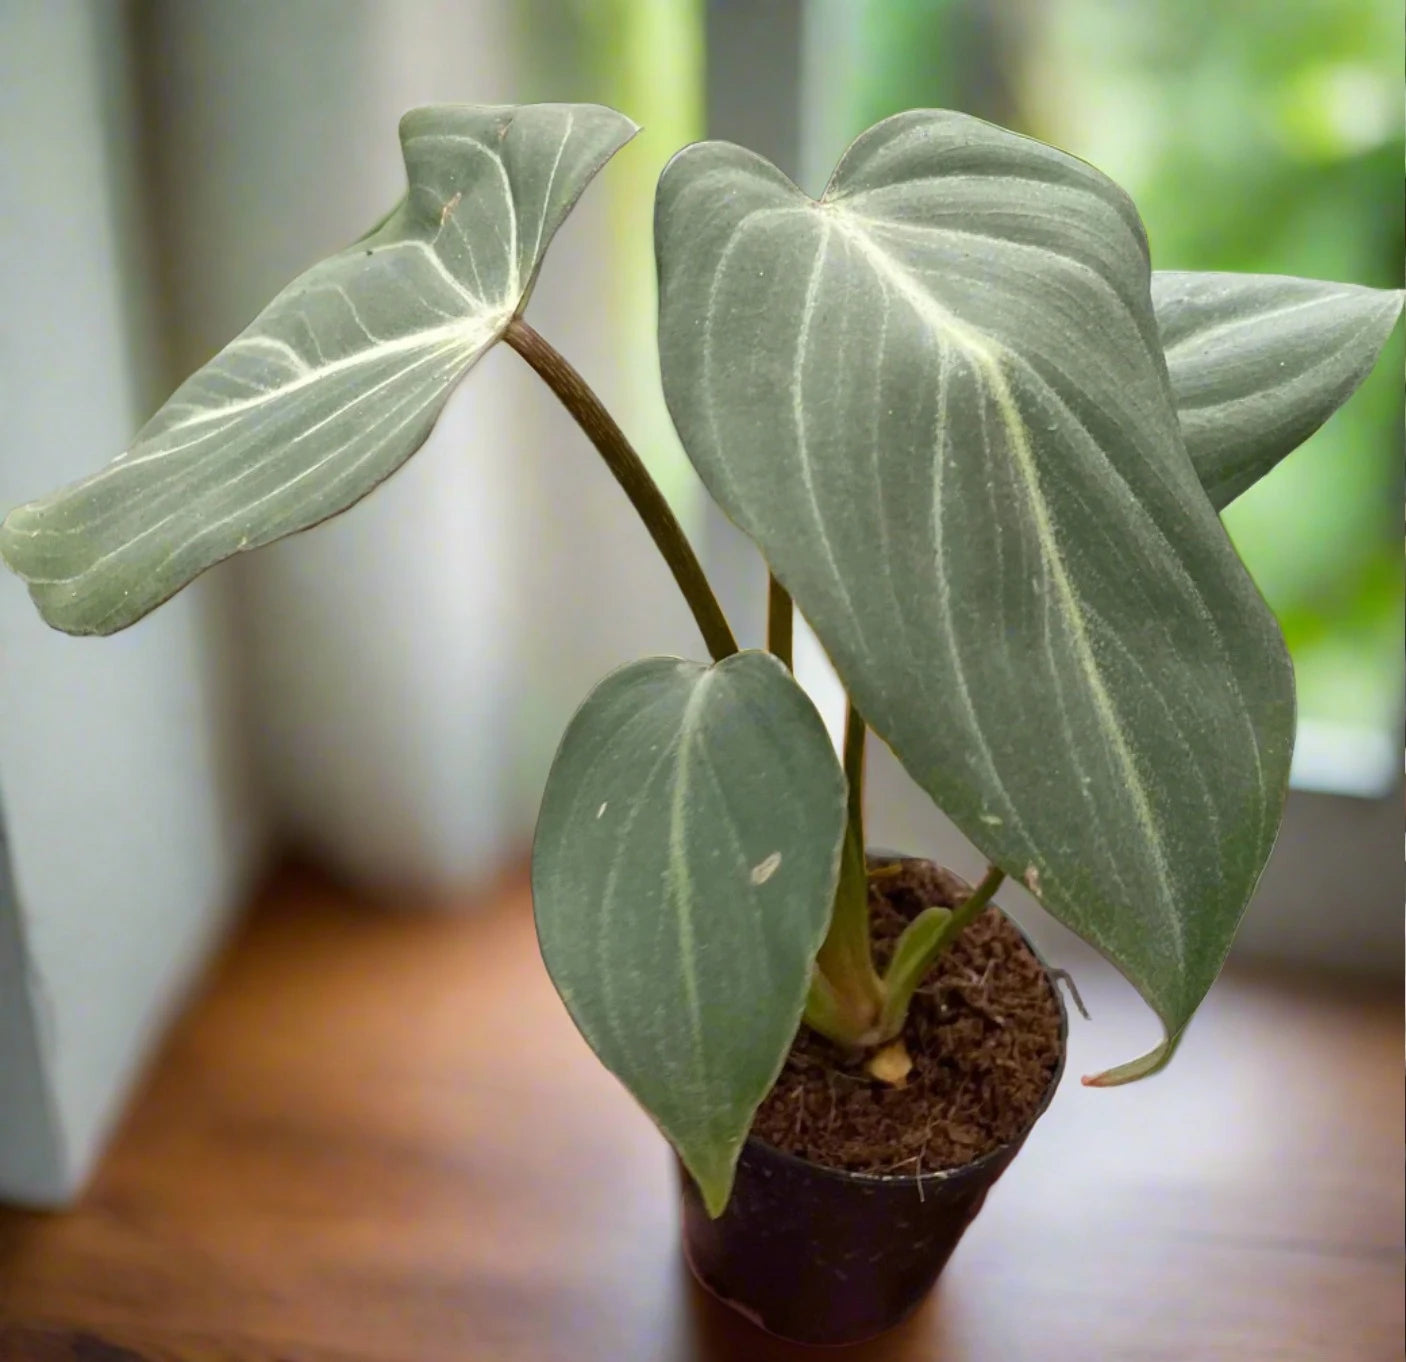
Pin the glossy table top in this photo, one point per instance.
(376, 1137)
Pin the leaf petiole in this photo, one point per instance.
(780, 621)
(846, 958)
(620, 457)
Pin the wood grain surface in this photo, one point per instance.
(375, 1137)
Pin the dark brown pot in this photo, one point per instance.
(820, 1256)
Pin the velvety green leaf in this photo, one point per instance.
(935, 399)
(337, 382)
(683, 875)
(1258, 362)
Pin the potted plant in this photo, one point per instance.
(982, 447)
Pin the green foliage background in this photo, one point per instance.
(1255, 135)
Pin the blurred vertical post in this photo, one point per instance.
(381, 647)
(597, 592)
(414, 662)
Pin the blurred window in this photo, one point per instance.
(1262, 137)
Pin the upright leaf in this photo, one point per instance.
(1259, 361)
(683, 874)
(936, 400)
(335, 384)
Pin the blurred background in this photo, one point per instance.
(383, 694)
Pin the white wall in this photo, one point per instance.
(129, 825)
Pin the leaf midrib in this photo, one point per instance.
(989, 354)
(681, 877)
(470, 331)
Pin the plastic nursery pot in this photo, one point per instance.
(821, 1256)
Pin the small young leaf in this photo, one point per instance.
(1258, 362)
(682, 877)
(936, 400)
(335, 384)
(913, 953)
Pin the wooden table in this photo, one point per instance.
(376, 1138)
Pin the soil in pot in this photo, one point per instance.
(984, 1035)
(852, 1194)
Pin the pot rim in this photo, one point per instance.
(941, 1175)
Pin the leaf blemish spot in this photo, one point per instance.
(1032, 879)
(991, 819)
(601, 811)
(764, 870)
(449, 206)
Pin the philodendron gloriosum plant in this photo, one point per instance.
(978, 442)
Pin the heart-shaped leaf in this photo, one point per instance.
(1259, 361)
(935, 399)
(683, 875)
(336, 383)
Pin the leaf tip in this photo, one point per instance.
(715, 1200)
(1143, 1067)
(714, 1182)
(712, 1164)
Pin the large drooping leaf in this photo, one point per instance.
(683, 875)
(935, 399)
(1259, 361)
(335, 384)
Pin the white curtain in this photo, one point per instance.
(413, 662)
(384, 691)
